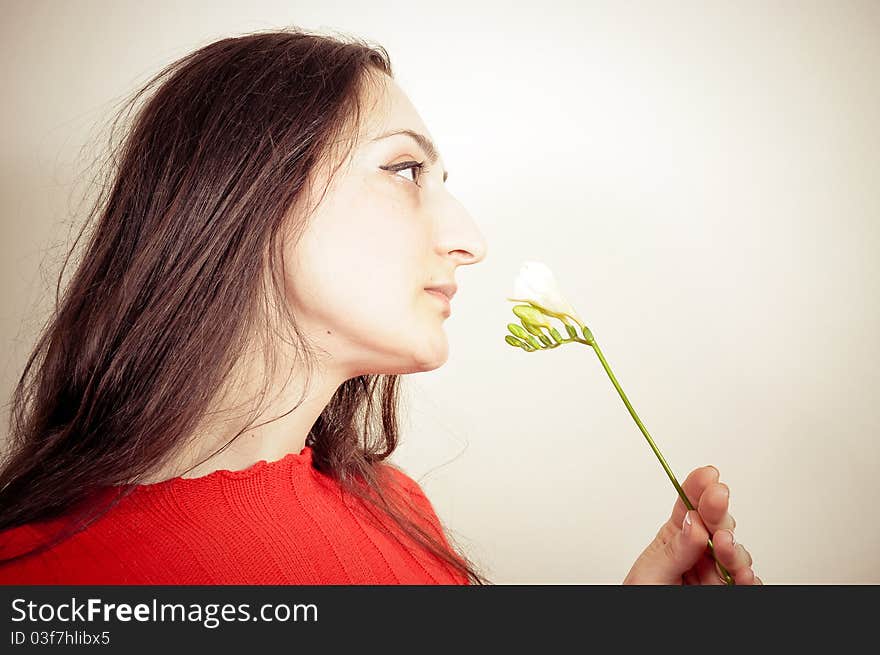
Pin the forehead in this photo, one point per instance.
(388, 108)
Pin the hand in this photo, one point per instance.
(678, 556)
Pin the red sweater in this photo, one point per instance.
(280, 522)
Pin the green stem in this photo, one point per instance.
(727, 577)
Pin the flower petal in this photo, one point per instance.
(536, 284)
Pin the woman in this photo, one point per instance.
(215, 396)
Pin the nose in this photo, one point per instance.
(458, 233)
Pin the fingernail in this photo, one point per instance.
(732, 538)
(686, 524)
(717, 472)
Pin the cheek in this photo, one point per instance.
(369, 271)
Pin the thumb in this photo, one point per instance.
(667, 558)
(684, 550)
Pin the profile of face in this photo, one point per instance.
(381, 235)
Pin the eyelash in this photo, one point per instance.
(419, 165)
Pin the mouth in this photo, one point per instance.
(442, 297)
(447, 290)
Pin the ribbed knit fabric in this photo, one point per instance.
(280, 522)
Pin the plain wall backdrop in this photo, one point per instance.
(704, 179)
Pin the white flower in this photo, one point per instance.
(537, 285)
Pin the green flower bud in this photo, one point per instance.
(513, 341)
(533, 329)
(533, 342)
(517, 330)
(588, 335)
(531, 316)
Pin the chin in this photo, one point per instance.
(428, 361)
(418, 362)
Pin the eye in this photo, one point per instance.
(418, 166)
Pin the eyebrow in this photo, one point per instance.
(424, 143)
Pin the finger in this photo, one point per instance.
(713, 506)
(745, 578)
(690, 577)
(707, 573)
(735, 558)
(684, 550)
(693, 487)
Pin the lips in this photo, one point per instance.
(439, 294)
(447, 290)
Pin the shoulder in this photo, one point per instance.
(415, 497)
(402, 482)
(37, 568)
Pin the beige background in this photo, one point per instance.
(703, 177)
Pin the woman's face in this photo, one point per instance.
(356, 280)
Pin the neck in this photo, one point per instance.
(282, 426)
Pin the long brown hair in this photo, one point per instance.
(167, 293)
